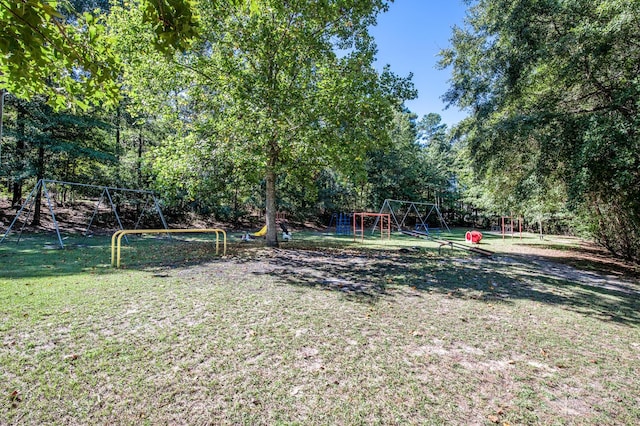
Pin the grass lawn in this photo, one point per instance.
(321, 331)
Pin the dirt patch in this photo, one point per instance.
(80, 216)
(579, 253)
(323, 336)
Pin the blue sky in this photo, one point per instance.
(409, 37)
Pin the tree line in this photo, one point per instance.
(229, 105)
(552, 92)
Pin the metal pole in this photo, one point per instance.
(393, 215)
(53, 216)
(95, 212)
(141, 214)
(520, 225)
(61, 182)
(115, 212)
(33, 199)
(404, 218)
(355, 215)
(512, 225)
(159, 210)
(425, 227)
(15, 219)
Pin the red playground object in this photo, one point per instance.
(473, 237)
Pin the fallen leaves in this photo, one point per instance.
(15, 398)
(71, 357)
(495, 418)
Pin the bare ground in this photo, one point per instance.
(340, 336)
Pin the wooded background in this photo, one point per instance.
(229, 107)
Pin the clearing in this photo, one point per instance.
(321, 331)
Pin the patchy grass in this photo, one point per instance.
(321, 331)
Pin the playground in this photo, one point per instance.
(275, 213)
(326, 329)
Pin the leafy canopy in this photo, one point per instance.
(282, 87)
(48, 48)
(552, 87)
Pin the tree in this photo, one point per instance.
(552, 89)
(54, 145)
(288, 100)
(49, 49)
(285, 87)
(395, 170)
(437, 156)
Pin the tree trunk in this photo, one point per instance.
(540, 228)
(38, 195)
(236, 207)
(272, 232)
(118, 131)
(16, 199)
(140, 146)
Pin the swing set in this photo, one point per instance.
(404, 210)
(106, 198)
(509, 225)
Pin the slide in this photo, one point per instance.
(260, 233)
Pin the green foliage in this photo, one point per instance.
(437, 153)
(418, 164)
(75, 146)
(395, 170)
(336, 193)
(221, 106)
(553, 93)
(263, 94)
(172, 21)
(48, 48)
(43, 53)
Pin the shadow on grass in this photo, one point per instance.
(591, 259)
(367, 276)
(360, 274)
(40, 256)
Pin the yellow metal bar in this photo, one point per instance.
(116, 239)
(113, 247)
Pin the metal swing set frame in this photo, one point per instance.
(105, 195)
(411, 206)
